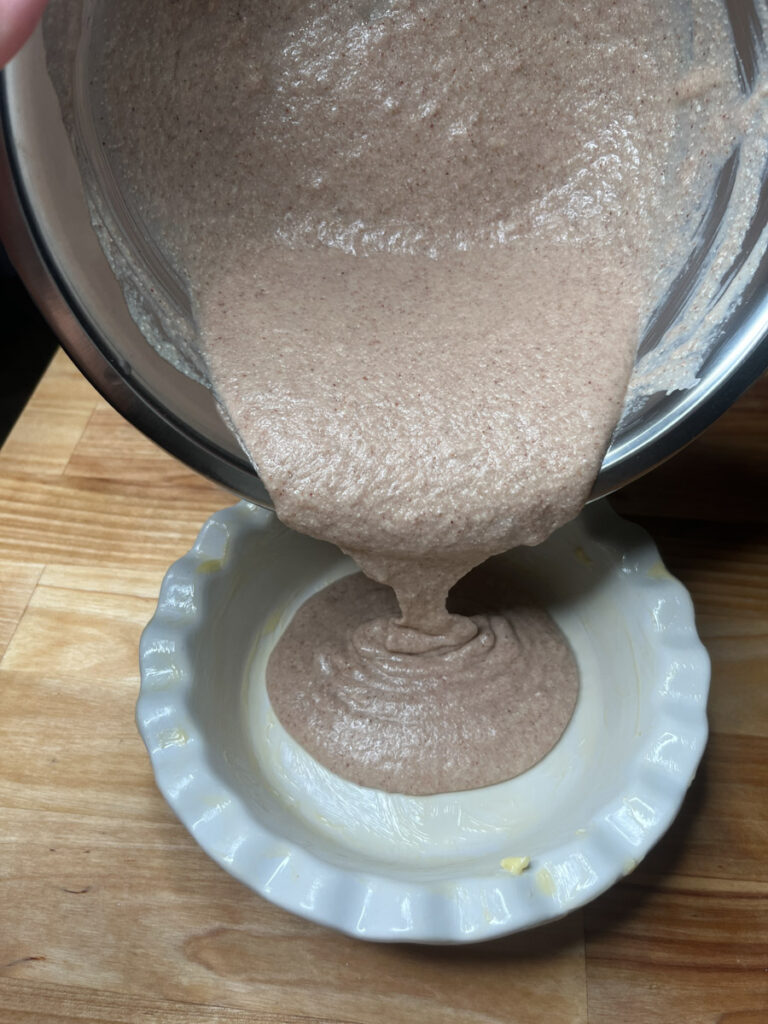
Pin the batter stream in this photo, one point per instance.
(421, 238)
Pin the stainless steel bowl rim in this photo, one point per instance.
(689, 414)
(28, 252)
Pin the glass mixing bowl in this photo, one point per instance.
(49, 202)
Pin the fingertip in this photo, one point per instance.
(18, 19)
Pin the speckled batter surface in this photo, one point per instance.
(421, 237)
(457, 716)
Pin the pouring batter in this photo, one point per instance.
(421, 238)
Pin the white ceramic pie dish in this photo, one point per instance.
(446, 868)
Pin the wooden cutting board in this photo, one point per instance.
(109, 912)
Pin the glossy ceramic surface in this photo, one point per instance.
(449, 868)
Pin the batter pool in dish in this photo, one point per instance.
(421, 238)
(458, 716)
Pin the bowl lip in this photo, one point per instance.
(700, 408)
(691, 413)
(291, 876)
(24, 240)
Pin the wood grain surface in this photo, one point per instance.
(109, 912)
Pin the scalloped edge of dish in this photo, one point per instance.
(366, 903)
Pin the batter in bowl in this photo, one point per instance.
(421, 238)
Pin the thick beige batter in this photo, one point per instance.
(458, 716)
(421, 237)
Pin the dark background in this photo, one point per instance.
(27, 346)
